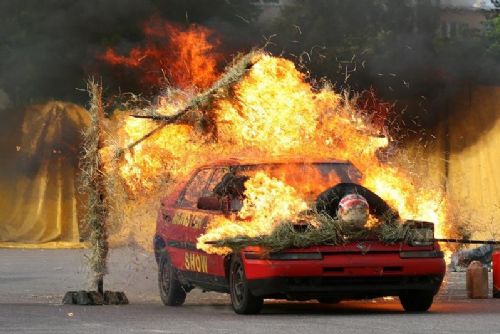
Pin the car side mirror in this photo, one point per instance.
(212, 203)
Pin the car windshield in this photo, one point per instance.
(309, 179)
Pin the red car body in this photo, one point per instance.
(357, 270)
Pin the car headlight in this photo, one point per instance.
(421, 233)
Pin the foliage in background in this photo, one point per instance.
(46, 48)
(395, 47)
(372, 35)
(492, 37)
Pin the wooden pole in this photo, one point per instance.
(94, 185)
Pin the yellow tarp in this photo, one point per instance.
(38, 196)
(472, 184)
(45, 245)
(474, 166)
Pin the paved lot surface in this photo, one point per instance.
(32, 283)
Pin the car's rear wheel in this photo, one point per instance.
(416, 301)
(242, 300)
(171, 291)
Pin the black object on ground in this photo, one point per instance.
(83, 297)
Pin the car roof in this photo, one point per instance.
(254, 162)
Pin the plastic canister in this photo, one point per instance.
(496, 274)
(477, 280)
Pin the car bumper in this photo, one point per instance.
(303, 288)
(346, 276)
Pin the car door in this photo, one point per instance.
(216, 264)
(185, 257)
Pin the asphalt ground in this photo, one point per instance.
(32, 283)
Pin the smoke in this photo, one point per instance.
(404, 51)
(48, 48)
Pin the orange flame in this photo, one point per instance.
(268, 202)
(275, 114)
(184, 57)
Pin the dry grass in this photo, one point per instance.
(198, 111)
(93, 184)
(325, 230)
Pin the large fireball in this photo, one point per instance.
(274, 113)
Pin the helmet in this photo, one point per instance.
(353, 209)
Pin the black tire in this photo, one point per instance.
(329, 301)
(171, 290)
(416, 301)
(242, 300)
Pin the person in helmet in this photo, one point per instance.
(353, 203)
(353, 209)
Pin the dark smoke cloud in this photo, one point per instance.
(45, 43)
(49, 47)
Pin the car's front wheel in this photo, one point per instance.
(242, 300)
(171, 290)
(416, 301)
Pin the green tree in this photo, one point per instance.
(359, 39)
(492, 37)
(392, 46)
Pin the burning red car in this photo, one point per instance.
(360, 269)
